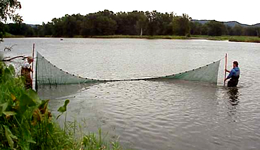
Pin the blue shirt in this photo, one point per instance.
(235, 72)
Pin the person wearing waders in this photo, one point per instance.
(26, 72)
(233, 75)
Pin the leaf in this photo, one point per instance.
(26, 102)
(50, 127)
(33, 95)
(37, 116)
(43, 106)
(31, 141)
(13, 97)
(9, 113)
(3, 108)
(7, 73)
(27, 135)
(63, 108)
(9, 136)
(12, 70)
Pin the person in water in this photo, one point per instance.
(26, 72)
(233, 75)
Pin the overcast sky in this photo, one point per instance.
(247, 12)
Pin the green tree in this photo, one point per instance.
(69, 25)
(141, 24)
(238, 30)
(181, 25)
(230, 30)
(47, 29)
(216, 28)
(100, 23)
(196, 28)
(8, 8)
(57, 27)
(20, 29)
(2, 30)
(258, 32)
(153, 22)
(250, 31)
(204, 29)
(7, 11)
(126, 23)
(105, 25)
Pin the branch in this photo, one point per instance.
(13, 58)
(9, 48)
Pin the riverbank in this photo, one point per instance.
(252, 39)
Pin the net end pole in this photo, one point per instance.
(34, 68)
(225, 73)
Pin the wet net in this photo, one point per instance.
(49, 74)
(208, 73)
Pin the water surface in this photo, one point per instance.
(156, 115)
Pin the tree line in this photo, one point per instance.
(126, 23)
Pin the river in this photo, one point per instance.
(155, 115)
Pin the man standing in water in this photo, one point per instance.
(233, 75)
(26, 72)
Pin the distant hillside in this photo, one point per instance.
(32, 25)
(228, 23)
(256, 25)
(234, 23)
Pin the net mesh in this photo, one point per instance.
(208, 73)
(47, 73)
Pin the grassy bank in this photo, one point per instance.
(218, 38)
(26, 123)
(8, 35)
(253, 39)
(143, 37)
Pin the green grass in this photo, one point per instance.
(8, 35)
(142, 37)
(253, 39)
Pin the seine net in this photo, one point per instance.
(208, 73)
(47, 73)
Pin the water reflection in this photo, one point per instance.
(60, 91)
(233, 101)
(233, 96)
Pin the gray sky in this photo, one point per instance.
(247, 12)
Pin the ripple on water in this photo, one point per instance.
(156, 115)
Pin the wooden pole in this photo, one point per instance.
(225, 69)
(33, 50)
(33, 55)
(33, 79)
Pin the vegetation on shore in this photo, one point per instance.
(135, 24)
(26, 123)
(252, 39)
